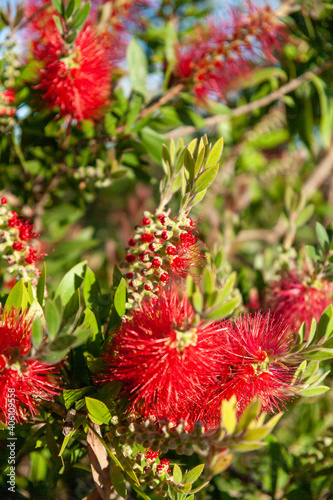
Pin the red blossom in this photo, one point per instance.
(68, 79)
(20, 376)
(298, 299)
(175, 358)
(8, 96)
(187, 253)
(221, 53)
(251, 365)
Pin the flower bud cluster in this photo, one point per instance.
(17, 246)
(167, 436)
(7, 110)
(159, 249)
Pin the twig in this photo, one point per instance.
(173, 92)
(30, 18)
(251, 106)
(273, 235)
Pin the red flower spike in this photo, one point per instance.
(157, 262)
(146, 221)
(165, 278)
(219, 54)
(188, 254)
(130, 257)
(147, 238)
(21, 377)
(171, 250)
(68, 77)
(176, 359)
(18, 245)
(251, 365)
(298, 299)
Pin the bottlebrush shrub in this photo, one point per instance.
(160, 249)
(19, 246)
(220, 53)
(177, 358)
(22, 378)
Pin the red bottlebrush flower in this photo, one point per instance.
(21, 379)
(68, 78)
(297, 298)
(221, 53)
(251, 365)
(175, 358)
(188, 254)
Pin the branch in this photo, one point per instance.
(173, 92)
(273, 235)
(251, 106)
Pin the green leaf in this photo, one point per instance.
(224, 310)
(59, 6)
(72, 395)
(250, 413)
(243, 448)
(215, 154)
(98, 411)
(41, 286)
(205, 179)
(69, 8)
(257, 434)
(37, 333)
(18, 297)
(322, 236)
(118, 481)
(138, 66)
(52, 317)
(58, 24)
(110, 123)
(177, 474)
(319, 355)
(229, 418)
(120, 298)
(189, 165)
(304, 216)
(192, 475)
(313, 391)
(222, 463)
(80, 17)
(71, 282)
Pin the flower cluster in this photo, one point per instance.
(27, 378)
(69, 75)
(19, 246)
(161, 248)
(187, 370)
(221, 53)
(176, 357)
(299, 298)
